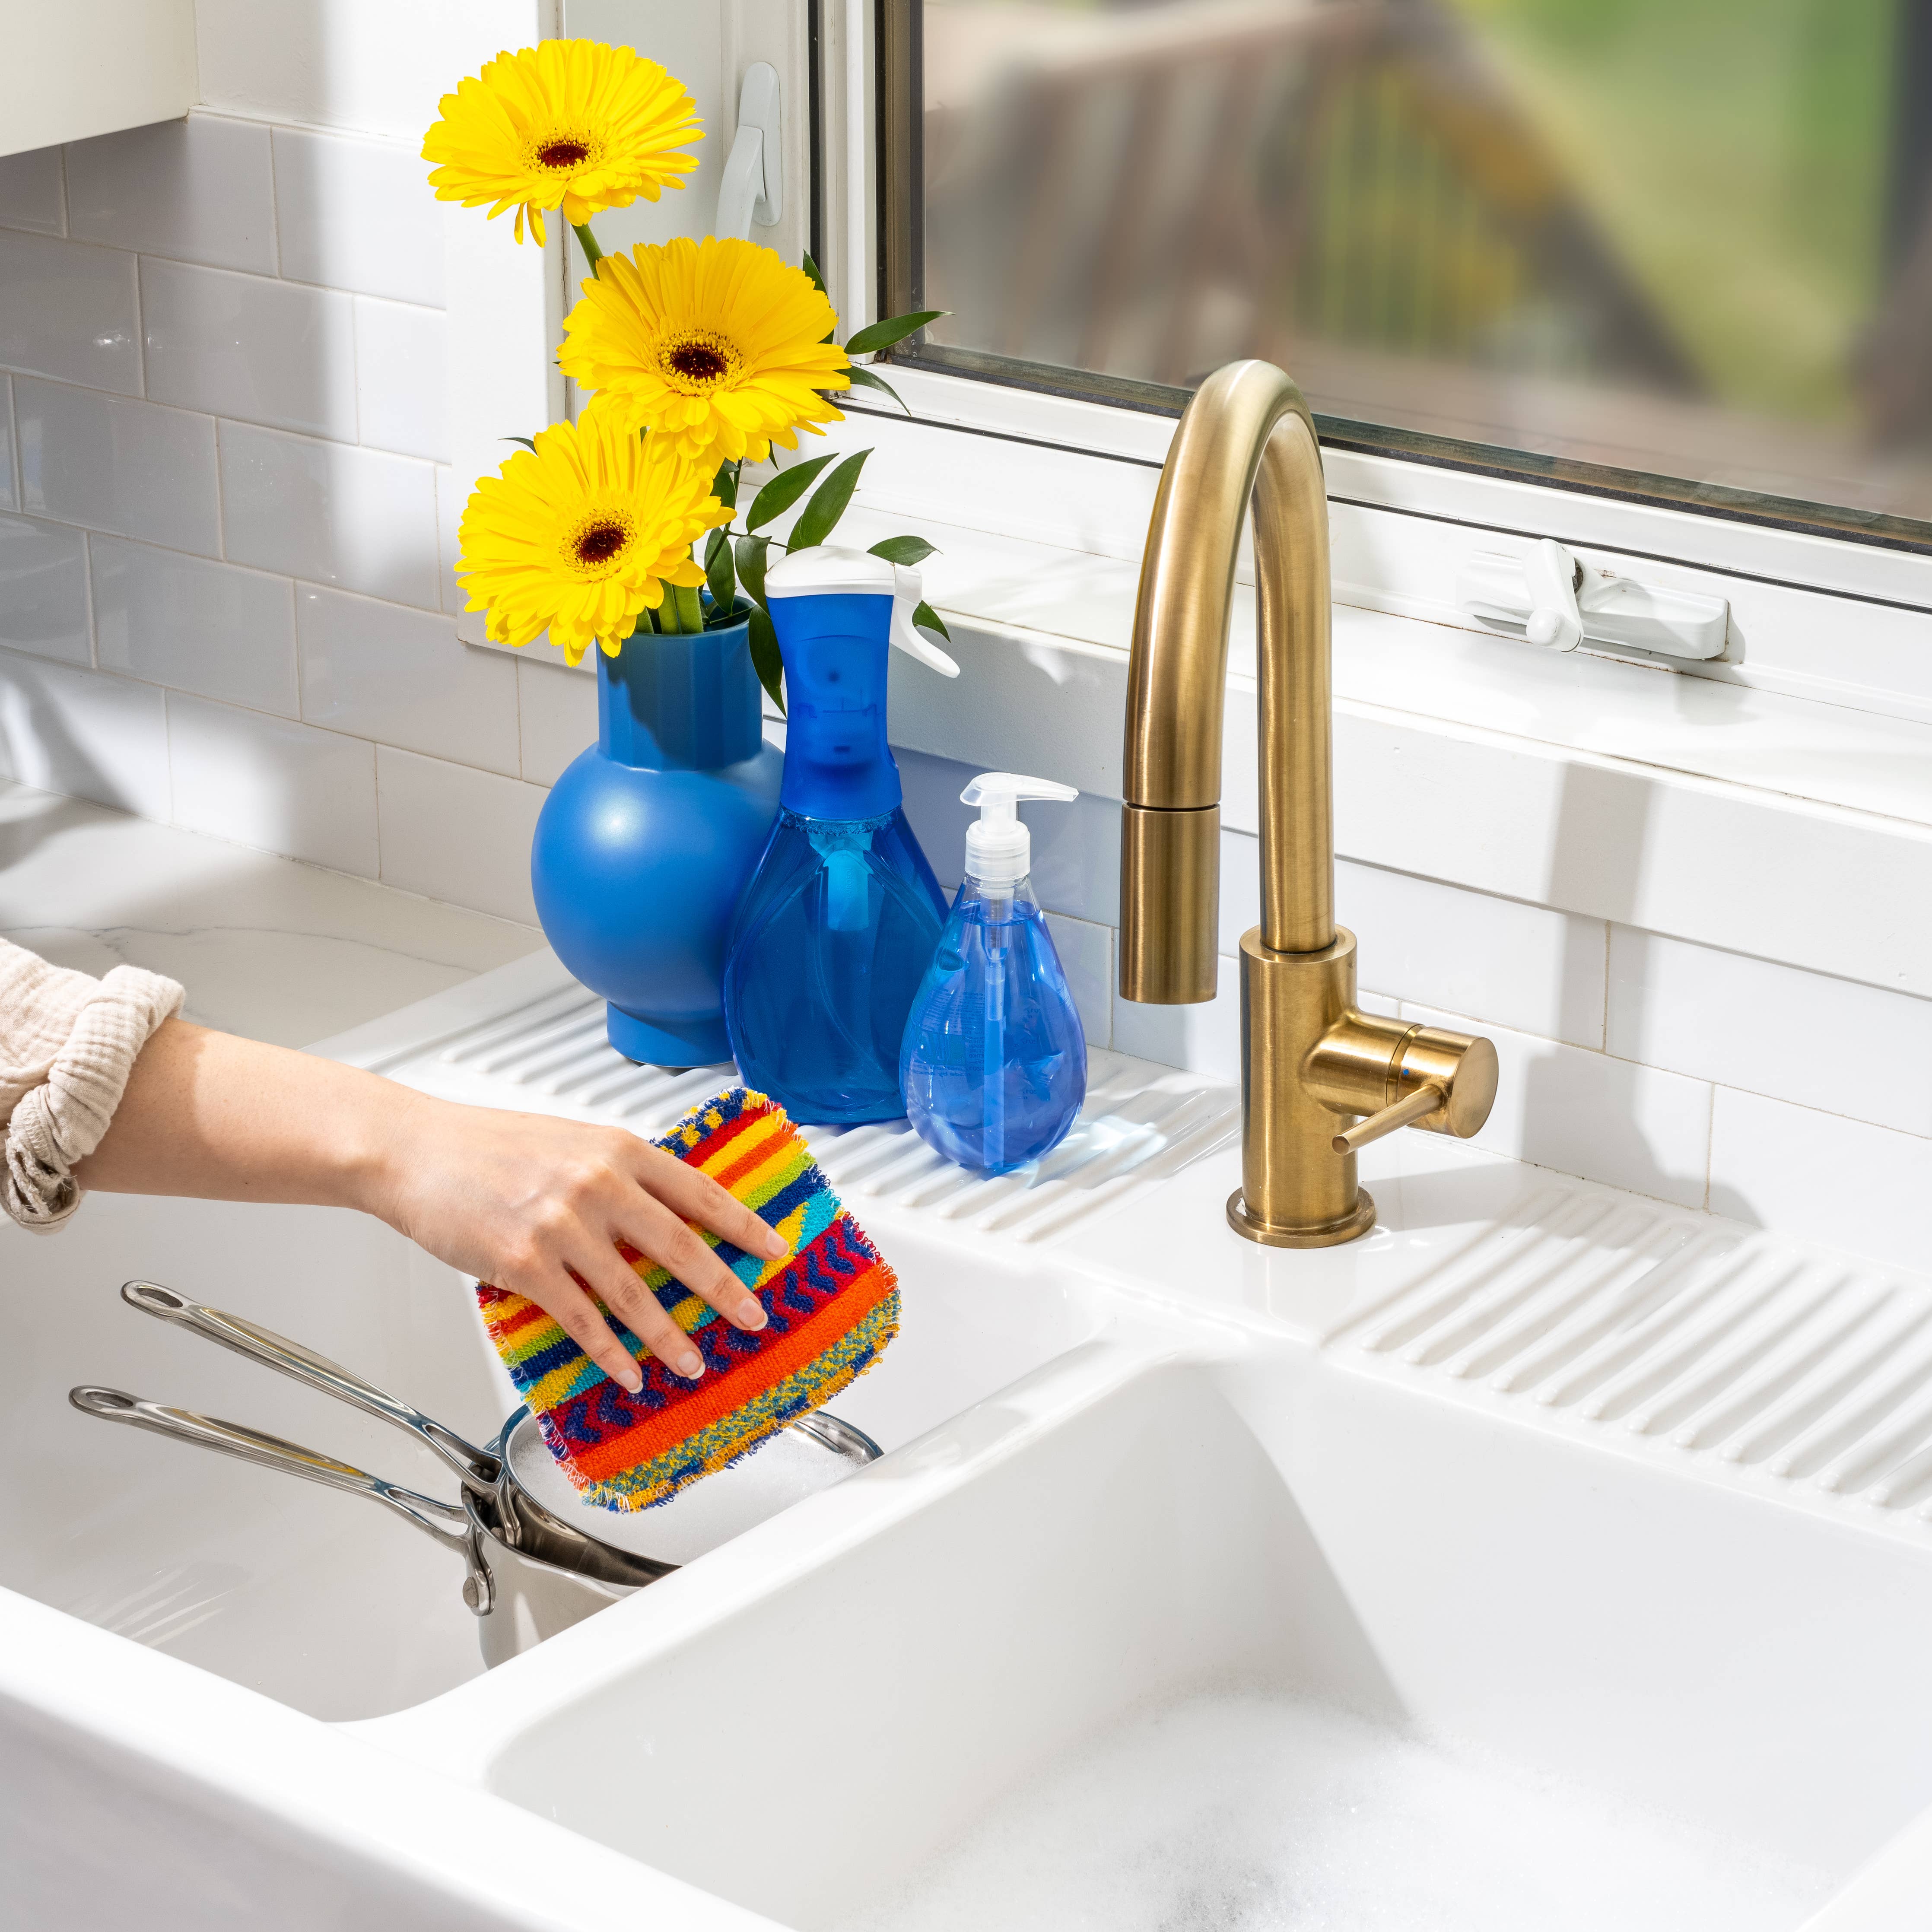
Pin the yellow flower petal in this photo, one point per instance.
(569, 124)
(718, 344)
(578, 536)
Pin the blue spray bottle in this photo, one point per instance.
(842, 912)
(994, 1062)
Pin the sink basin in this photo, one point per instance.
(1550, 1558)
(1253, 1638)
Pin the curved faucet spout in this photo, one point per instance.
(1247, 434)
(1307, 1054)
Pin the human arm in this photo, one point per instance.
(527, 1202)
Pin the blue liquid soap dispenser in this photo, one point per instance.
(842, 912)
(994, 1062)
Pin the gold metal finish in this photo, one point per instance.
(1307, 1053)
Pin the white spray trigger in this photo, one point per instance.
(907, 594)
(999, 848)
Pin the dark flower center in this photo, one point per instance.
(600, 543)
(697, 360)
(562, 154)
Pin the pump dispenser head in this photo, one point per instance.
(999, 848)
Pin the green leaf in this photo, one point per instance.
(811, 268)
(724, 485)
(877, 335)
(523, 439)
(752, 557)
(782, 491)
(928, 618)
(865, 380)
(722, 579)
(765, 660)
(904, 550)
(828, 503)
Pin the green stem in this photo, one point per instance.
(587, 242)
(666, 612)
(690, 611)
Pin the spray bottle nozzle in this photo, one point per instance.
(999, 848)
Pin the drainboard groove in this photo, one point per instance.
(1852, 1422)
(1707, 1382)
(1862, 1469)
(1502, 1361)
(1601, 1321)
(1824, 1392)
(506, 1059)
(1721, 1422)
(468, 1047)
(1473, 1339)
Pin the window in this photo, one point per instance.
(1679, 251)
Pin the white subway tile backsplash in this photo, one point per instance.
(558, 710)
(208, 627)
(451, 833)
(1585, 1113)
(1204, 1039)
(1770, 1029)
(199, 189)
(1086, 952)
(244, 346)
(449, 501)
(358, 518)
(69, 312)
(1844, 1182)
(1521, 966)
(400, 677)
(30, 191)
(273, 783)
(399, 378)
(43, 605)
(132, 468)
(74, 731)
(357, 214)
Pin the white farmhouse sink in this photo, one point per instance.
(1550, 1558)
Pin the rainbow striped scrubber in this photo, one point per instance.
(830, 1308)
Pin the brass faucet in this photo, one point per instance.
(1311, 1061)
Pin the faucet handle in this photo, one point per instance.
(1424, 1099)
(1401, 1076)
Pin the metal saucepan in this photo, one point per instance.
(515, 1501)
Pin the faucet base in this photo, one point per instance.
(1329, 1235)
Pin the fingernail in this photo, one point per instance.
(691, 1366)
(775, 1244)
(632, 1378)
(751, 1313)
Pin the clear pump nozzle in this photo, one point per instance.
(999, 848)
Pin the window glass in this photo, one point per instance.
(1676, 239)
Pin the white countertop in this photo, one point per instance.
(266, 947)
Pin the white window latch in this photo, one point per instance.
(1552, 599)
(753, 189)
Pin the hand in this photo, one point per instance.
(537, 1205)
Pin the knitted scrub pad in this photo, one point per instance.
(831, 1307)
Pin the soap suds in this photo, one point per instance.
(1267, 1814)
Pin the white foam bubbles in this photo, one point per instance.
(1267, 1814)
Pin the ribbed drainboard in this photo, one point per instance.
(1140, 1124)
(1692, 1334)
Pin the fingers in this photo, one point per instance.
(577, 1314)
(697, 1197)
(663, 1237)
(625, 1295)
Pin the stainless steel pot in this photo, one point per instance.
(536, 1557)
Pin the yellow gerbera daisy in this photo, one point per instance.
(580, 534)
(718, 344)
(568, 124)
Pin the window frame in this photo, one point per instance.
(1711, 525)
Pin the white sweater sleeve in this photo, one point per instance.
(67, 1043)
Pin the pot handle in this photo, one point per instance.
(449, 1524)
(477, 1469)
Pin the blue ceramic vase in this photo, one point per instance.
(646, 841)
